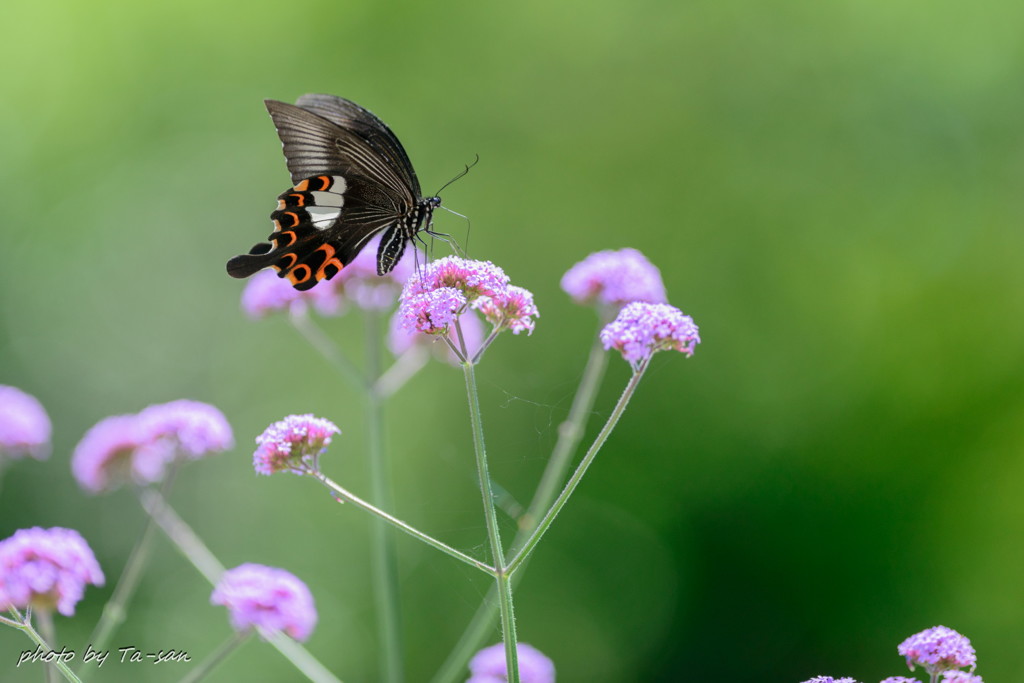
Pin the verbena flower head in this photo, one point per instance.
(187, 428)
(293, 444)
(900, 679)
(938, 649)
(957, 676)
(829, 679)
(473, 279)
(47, 569)
(488, 665)
(265, 597)
(265, 293)
(402, 339)
(642, 329)
(615, 278)
(105, 457)
(431, 312)
(514, 309)
(24, 425)
(139, 447)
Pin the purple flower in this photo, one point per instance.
(266, 292)
(265, 597)
(293, 444)
(488, 665)
(46, 568)
(473, 279)
(24, 425)
(105, 457)
(957, 676)
(513, 309)
(642, 329)
(829, 679)
(900, 679)
(401, 339)
(139, 447)
(189, 428)
(433, 311)
(938, 649)
(615, 278)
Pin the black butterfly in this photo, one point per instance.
(352, 181)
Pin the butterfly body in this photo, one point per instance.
(352, 180)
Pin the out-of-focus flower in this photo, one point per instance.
(938, 649)
(293, 444)
(615, 278)
(488, 665)
(513, 309)
(642, 329)
(188, 428)
(47, 569)
(139, 447)
(957, 676)
(24, 425)
(265, 293)
(266, 597)
(829, 679)
(900, 679)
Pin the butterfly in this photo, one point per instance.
(353, 180)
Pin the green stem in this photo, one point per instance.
(531, 542)
(319, 341)
(570, 433)
(502, 576)
(24, 624)
(114, 612)
(48, 631)
(214, 659)
(196, 552)
(346, 496)
(385, 563)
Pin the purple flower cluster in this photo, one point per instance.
(24, 425)
(258, 596)
(402, 339)
(436, 296)
(46, 568)
(293, 444)
(938, 649)
(488, 665)
(829, 679)
(957, 676)
(899, 679)
(614, 278)
(641, 329)
(357, 283)
(139, 447)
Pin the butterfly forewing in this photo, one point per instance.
(352, 180)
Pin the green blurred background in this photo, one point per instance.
(831, 189)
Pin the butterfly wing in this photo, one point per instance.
(351, 116)
(346, 190)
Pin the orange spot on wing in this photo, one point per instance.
(301, 198)
(289, 234)
(291, 263)
(299, 274)
(329, 260)
(301, 187)
(325, 182)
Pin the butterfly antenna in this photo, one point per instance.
(460, 174)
